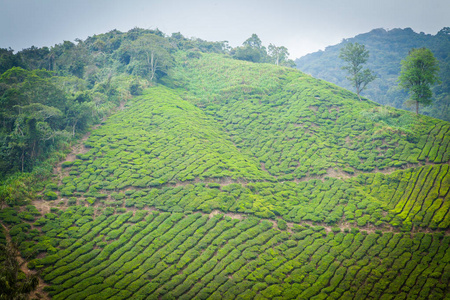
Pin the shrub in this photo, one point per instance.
(91, 200)
(50, 195)
(72, 201)
(214, 185)
(282, 225)
(336, 229)
(51, 186)
(67, 164)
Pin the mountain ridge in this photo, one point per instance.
(387, 48)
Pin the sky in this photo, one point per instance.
(302, 26)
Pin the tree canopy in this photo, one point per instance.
(419, 72)
(253, 50)
(148, 54)
(280, 56)
(356, 56)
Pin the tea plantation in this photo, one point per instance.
(236, 180)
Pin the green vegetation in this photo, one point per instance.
(387, 49)
(222, 178)
(417, 196)
(253, 50)
(48, 96)
(171, 255)
(140, 152)
(418, 74)
(355, 55)
(14, 284)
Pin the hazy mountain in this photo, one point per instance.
(387, 48)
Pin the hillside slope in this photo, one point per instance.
(387, 49)
(241, 180)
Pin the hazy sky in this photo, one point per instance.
(303, 26)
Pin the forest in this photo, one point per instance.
(140, 165)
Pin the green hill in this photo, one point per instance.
(231, 179)
(387, 48)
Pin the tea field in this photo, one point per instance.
(236, 180)
(185, 256)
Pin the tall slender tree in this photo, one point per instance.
(419, 72)
(279, 55)
(356, 56)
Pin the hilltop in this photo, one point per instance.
(232, 179)
(387, 48)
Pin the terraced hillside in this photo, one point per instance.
(241, 180)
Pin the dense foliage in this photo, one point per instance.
(231, 179)
(253, 50)
(14, 284)
(387, 50)
(418, 74)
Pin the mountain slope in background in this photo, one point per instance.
(387, 49)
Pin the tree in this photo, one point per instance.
(247, 53)
(356, 55)
(66, 59)
(419, 72)
(253, 42)
(149, 55)
(251, 50)
(279, 56)
(31, 114)
(34, 58)
(7, 59)
(78, 114)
